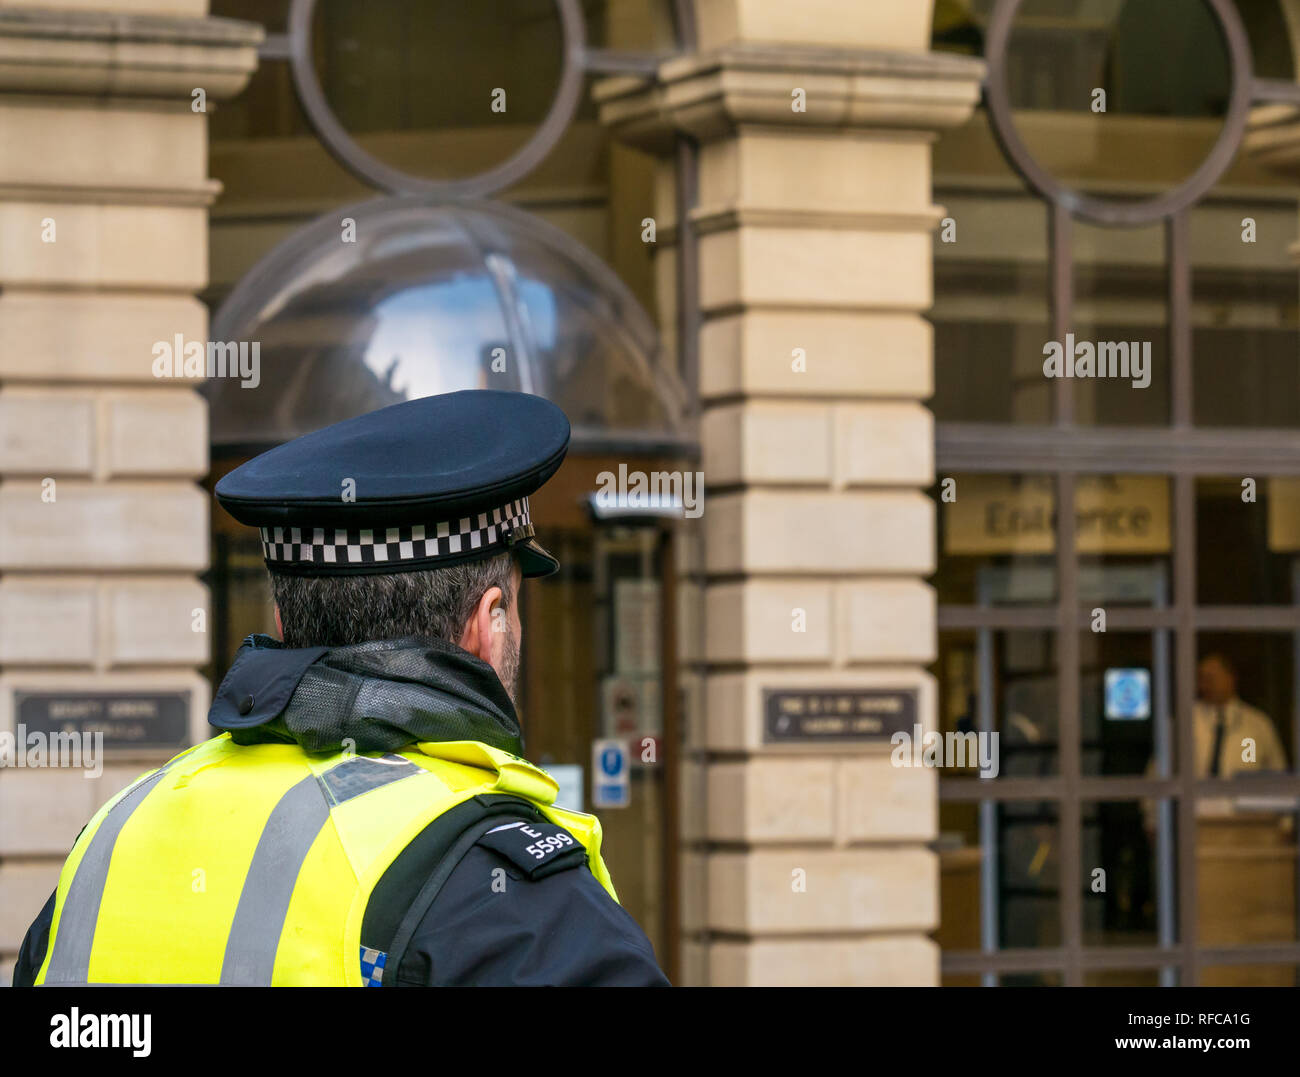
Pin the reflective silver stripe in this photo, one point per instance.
(360, 774)
(264, 901)
(288, 836)
(75, 934)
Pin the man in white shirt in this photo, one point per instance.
(1231, 737)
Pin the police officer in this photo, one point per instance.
(366, 817)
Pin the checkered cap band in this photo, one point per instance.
(495, 529)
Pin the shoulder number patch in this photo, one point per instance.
(536, 849)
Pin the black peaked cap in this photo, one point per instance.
(421, 484)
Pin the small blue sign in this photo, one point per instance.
(610, 785)
(612, 760)
(1128, 694)
(611, 795)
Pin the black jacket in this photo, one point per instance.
(554, 926)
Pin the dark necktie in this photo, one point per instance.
(1218, 744)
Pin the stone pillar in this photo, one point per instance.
(807, 860)
(103, 213)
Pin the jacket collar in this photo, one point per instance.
(379, 696)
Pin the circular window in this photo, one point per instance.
(1081, 98)
(397, 75)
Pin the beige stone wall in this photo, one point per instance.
(815, 359)
(104, 192)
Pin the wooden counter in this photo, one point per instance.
(1246, 879)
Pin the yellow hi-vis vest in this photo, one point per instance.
(254, 864)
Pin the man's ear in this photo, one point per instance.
(279, 625)
(478, 636)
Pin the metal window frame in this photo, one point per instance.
(1066, 450)
(579, 60)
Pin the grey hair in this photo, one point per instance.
(335, 611)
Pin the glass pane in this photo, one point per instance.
(1102, 90)
(1248, 376)
(1270, 39)
(996, 539)
(1012, 677)
(1026, 910)
(408, 75)
(1119, 872)
(1119, 353)
(1125, 696)
(990, 311)
(1245, 704)
(1246, 297)
(1248, 541)
(997, 535)
(1029, 898)
(1124, 540)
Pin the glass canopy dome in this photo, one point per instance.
(433, 297)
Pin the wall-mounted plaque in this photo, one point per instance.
(126, 719)
(809, 715)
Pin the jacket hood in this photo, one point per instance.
(379, 696)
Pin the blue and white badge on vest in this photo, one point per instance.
(1128, 694)
(609, 774)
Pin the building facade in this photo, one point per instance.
(798, 267)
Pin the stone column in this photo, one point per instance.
(103, 215)
(808, 859)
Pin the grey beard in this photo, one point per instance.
(509, 671)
